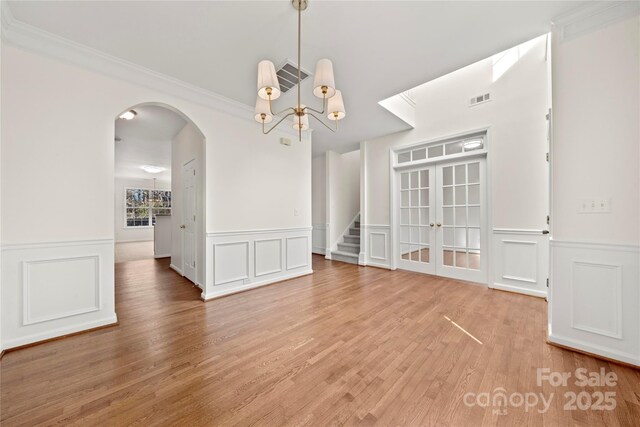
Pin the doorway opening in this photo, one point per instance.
(159, 188)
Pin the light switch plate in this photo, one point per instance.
(594, 205)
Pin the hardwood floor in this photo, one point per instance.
(347, 345)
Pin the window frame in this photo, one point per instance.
(149, 207)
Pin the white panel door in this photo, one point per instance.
(461, 220)
(189, 218)
(416, 225)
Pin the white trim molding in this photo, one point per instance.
(243, 260)
(377, 250)
(51, 289)
(520, 261)
(594, 298)
(592, 16)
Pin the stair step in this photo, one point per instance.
(351, 239)
(349, 247)
(357, 224)
(344, 257)
(354, 231)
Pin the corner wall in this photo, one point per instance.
(343, 194)
(319, 204)
(595, 257)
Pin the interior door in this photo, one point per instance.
(189, 221)
(461, 220)
(416, 225)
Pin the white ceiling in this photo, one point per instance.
(379, 48)
(146, 140)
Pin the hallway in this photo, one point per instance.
(346, 345)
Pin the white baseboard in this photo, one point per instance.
(30, 339)
(135, 241)
(375, 264)
(176, 269)
(162, 256)
(236, 289)
(519, 290)
(594, 349)
(318, 251)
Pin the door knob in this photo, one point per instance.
(439, 225)
(183, 226)
(431, 225)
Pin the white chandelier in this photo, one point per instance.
(323, 87)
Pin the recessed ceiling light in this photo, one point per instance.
(472, 144)
(152, 169)
(128, 115)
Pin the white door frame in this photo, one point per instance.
(195, 224)
(393, 195)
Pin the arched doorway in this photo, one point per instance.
(159, 190)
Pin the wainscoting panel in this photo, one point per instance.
(247, 259)
(594, 298)
(51, 289)
(72, 283)
(377, 245)
(267, 257)
(297, 255)
(520, 261)
(319, 238)
(231, 261)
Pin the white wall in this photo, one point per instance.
(595, 257)
(343, 193)
(69, 168)
(319, 203)
(187, 145)
(517, 145)
(123, 234)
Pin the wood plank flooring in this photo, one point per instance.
(347, 345)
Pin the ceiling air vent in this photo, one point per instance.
(288, 76)
(479, 99)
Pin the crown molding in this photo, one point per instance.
(593, 16)
(34, 39)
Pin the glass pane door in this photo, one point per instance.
(460, 220)
(416, 228)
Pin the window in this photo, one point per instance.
(142, 206)
(431, 151)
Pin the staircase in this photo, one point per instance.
(349, 249)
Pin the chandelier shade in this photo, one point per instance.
(268, 80)
(335, 107)
(263, 111)
(323, 79)
(301, 122)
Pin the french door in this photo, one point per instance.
(443, 220)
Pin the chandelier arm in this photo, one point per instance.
(324, 106)
(293, 110)
(325, 125)
(276, 125)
